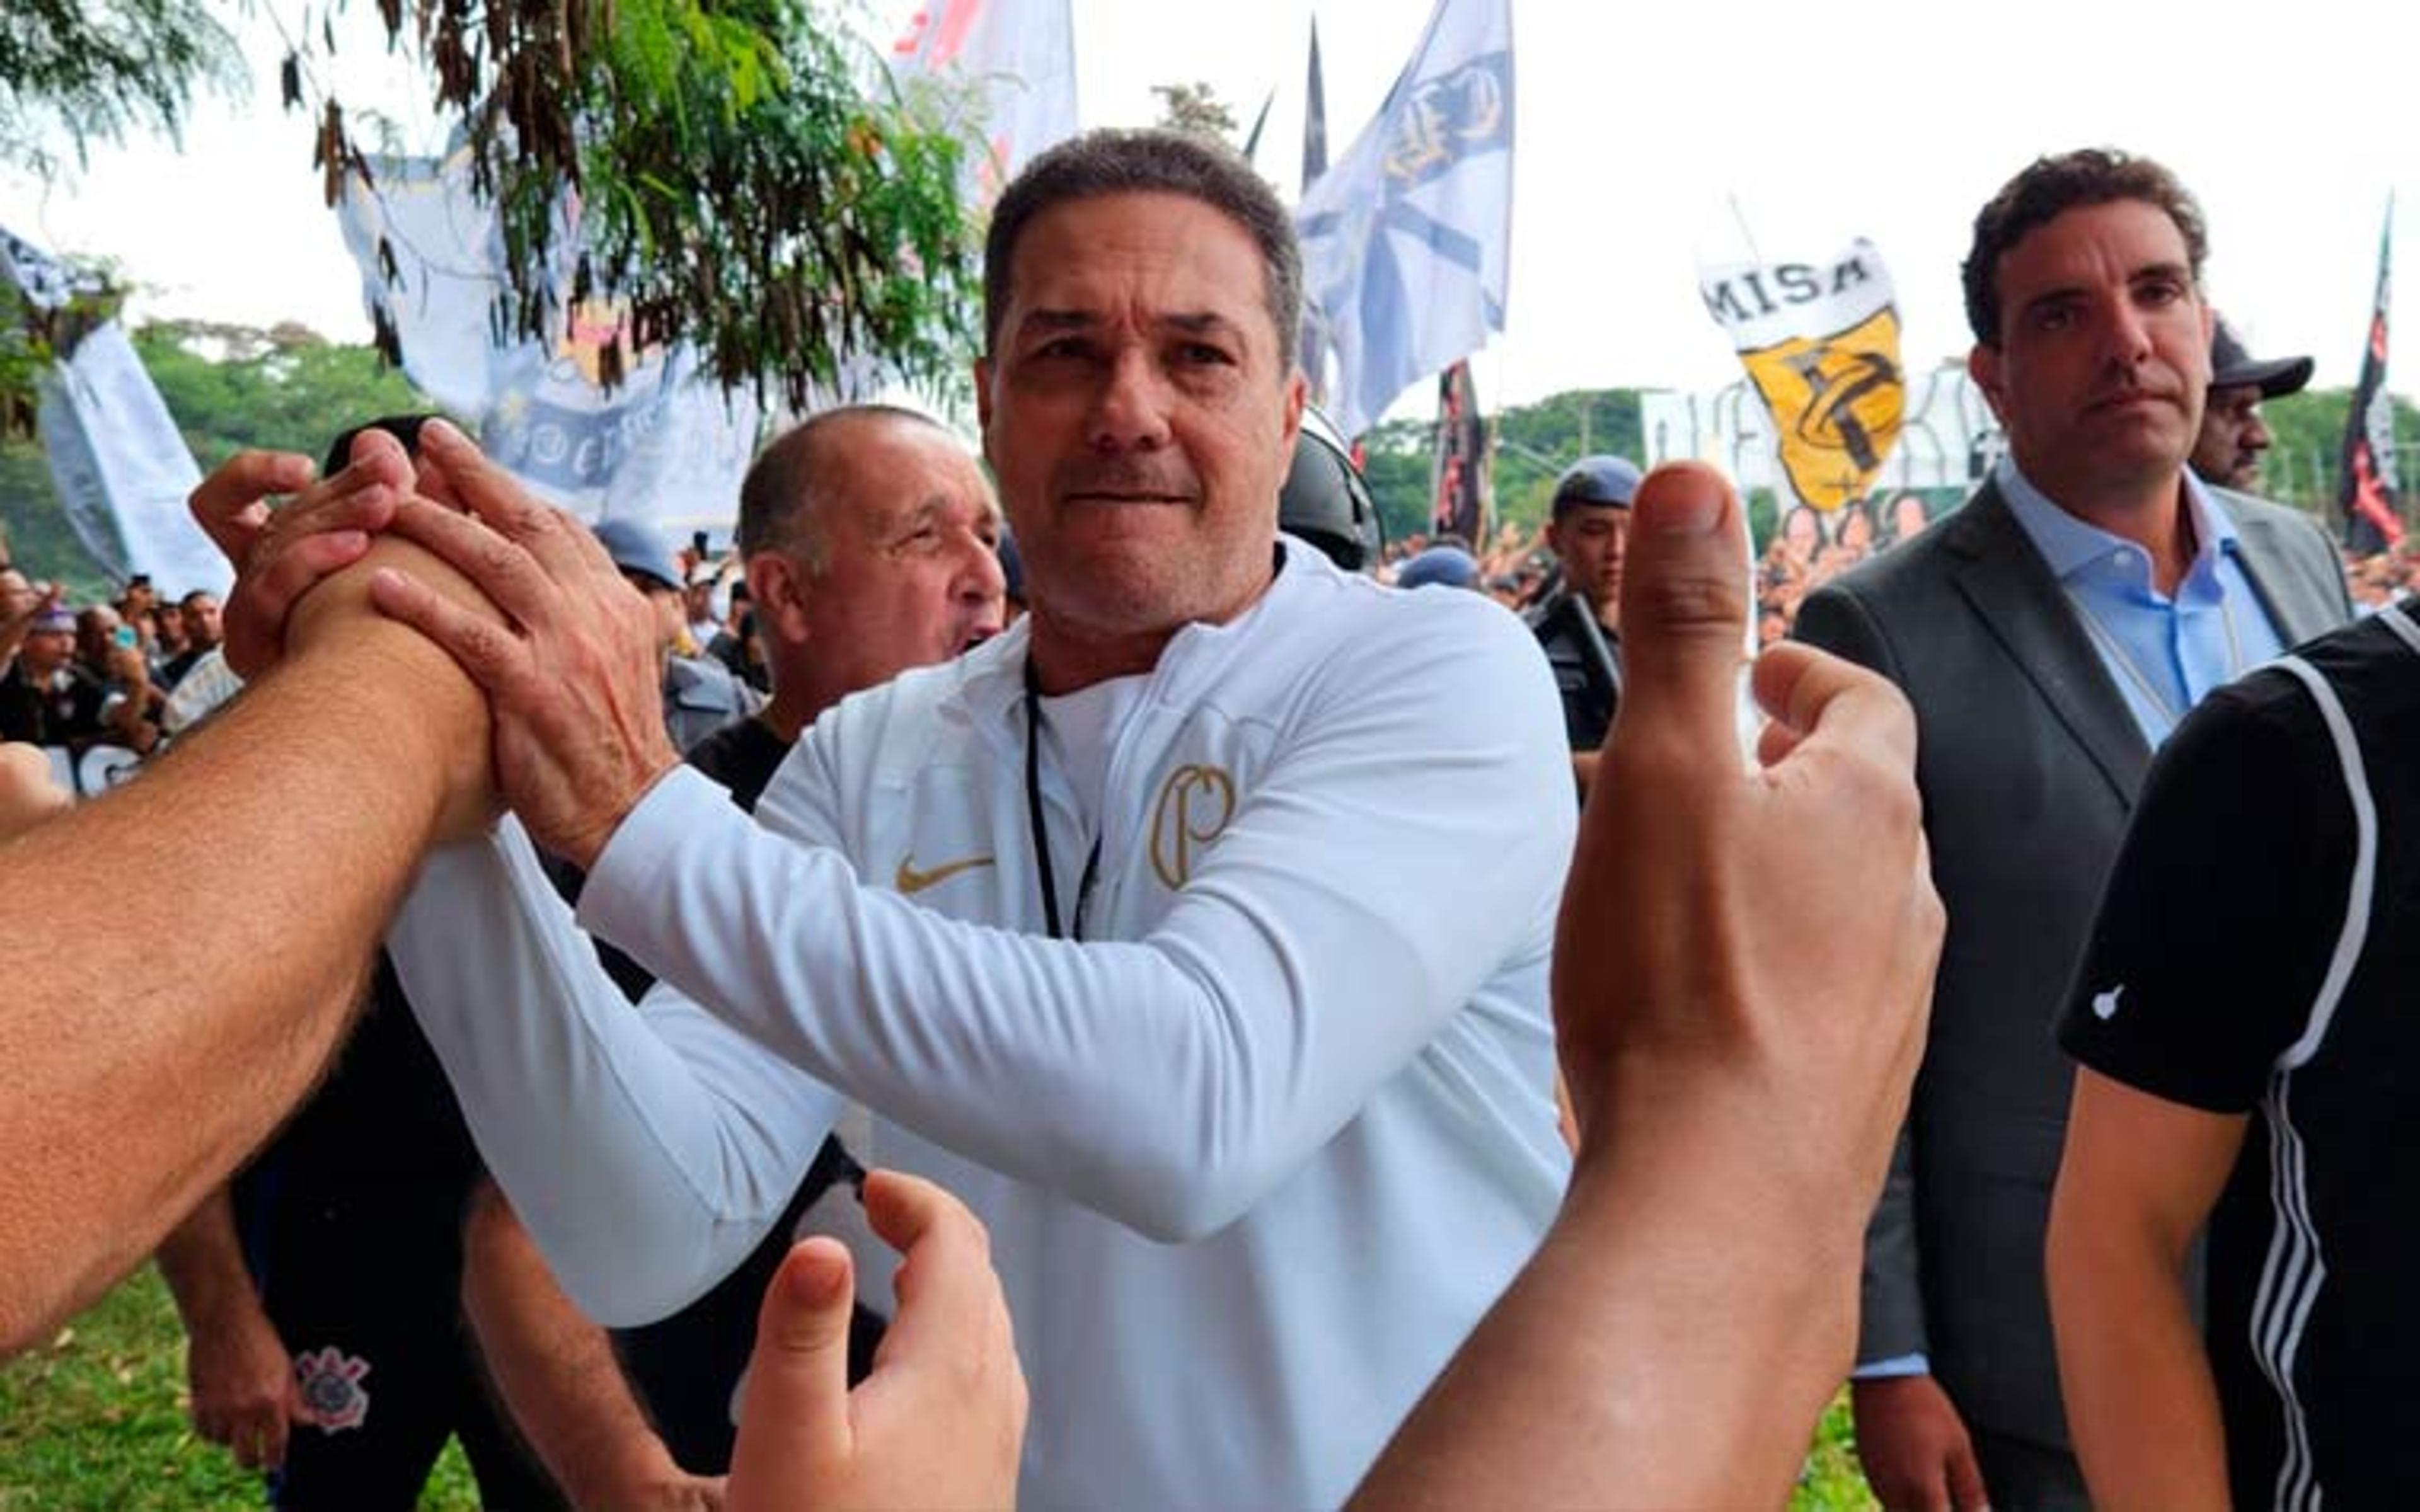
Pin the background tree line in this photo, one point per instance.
(1535, 441)
(228, 388)
(232, 387)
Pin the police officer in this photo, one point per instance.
(1578, 624)
(700, 694)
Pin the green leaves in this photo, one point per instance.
(751, 180)
(32, 338)
(91, 71)
(745, 177)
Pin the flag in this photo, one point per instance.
(1020, 56)
(1405, 241)
(1311, 352)
(1314, 117)
(1819, 342)
(2366, 485)
(121, 468)
(1460, 493)
(1260, 120)
(429, 263)
(667, 444)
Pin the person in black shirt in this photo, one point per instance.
(2243, 1023)
(1578, 624)
(333, 1353)
(46, 698)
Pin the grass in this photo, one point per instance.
(1832, 1481)
(97, 1419)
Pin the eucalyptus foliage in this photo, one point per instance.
(738, 172)
(744, 175)
(86, 70)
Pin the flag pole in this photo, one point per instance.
(1740, 219)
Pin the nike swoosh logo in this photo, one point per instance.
(911, 881)
(2105, 1005)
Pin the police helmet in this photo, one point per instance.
(1325, 501)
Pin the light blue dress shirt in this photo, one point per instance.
(2164, 652)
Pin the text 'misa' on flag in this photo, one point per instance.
(666, 445)
(121, 469)
(1819, 342)
(2366, 485)
(1405, 241)
(1019, 56)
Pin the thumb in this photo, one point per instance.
(1684, 602)
(794, 1423)
(230, 505)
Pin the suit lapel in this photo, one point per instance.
(2023, 608)
(2268, 565)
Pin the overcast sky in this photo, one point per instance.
(1640, 126)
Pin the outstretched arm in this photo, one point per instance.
(1739, 1050)
(314, 794)
(769, 927)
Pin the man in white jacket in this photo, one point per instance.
(1195, 931)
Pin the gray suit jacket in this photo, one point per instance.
(2028, 761)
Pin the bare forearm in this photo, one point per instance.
(554, 1368)
(2139, 1393)
(203, 1264)
(2136, 1181)
(1669, 1346)
(138, 1076)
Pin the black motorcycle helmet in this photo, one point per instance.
(1325, 501)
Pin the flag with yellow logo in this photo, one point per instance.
(1819, 342)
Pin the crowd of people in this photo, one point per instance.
(75, 677)
(1302, 1092)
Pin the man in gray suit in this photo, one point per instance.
(2049, 635)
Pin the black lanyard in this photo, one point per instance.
(1042, 831)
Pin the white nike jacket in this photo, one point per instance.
(1255, 1156)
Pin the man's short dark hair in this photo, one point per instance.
(777, 498)
(1110, 162)
(2050, 186)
